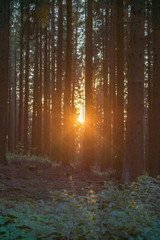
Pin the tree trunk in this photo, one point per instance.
(35, 96)
(154, 131)
(149, 75)
(46, 97)
(4, 64)
(39, 101)
(120, 91)
(20, 118)
(15, 99)
(134, 163)
(68, 128)
(88, 138)
(53, 82)
(57, 103)
(9, 106)
(112, 78)
(106, 150)
(26, 81)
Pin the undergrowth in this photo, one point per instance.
(30, 157)
(12, 156)
(125, 212)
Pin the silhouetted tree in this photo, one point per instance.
(88, 137)
(68, 127)
(4, 64)
(154, 113)
(57, 104)
(120, 90)
(27, 36)
(134, 164)
(106, 148)
(20, 118)
(35, 95)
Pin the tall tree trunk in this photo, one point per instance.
(154, 130)
(46, 97)
(68, 128)
(57, 104)
(26, 81)
(112, 86)
(134, 163)
(20, 118)
(88, 138)
(39, 101)
(106, 150)
(9, 115)
(35, 96)
(4, 64)
(49, 87)
(149, 73)
(53, 82)
(120, 90)
(15, 99)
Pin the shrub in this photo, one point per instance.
(129, 212)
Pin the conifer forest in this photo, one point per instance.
(80, 119)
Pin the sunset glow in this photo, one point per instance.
(80, 118)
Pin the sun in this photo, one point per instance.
(80, 118)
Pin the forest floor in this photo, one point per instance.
(39, 200)
(34, 180)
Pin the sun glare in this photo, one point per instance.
(80, 118)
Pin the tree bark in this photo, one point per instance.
(134, 163)
(68, 128)
(35, 96)
(46, 96)
(106, 148)
(57, 103)
(26, 80)
(88, 137)
(53, 82)
(112, 82)
(120, 91)
(39, 101)
(4, 64)
(20, 118)
(154, 131)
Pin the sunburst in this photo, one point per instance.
(80, 118)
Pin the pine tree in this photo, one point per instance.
(120, 90)
(27, 35)
(68, 128)
(20, 118)
(154, 113)
(4, 64)
(88, 138)
(106, 148)
(134, 162)
(57, 104)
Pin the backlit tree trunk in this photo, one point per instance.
(154, 130)
(120, 90)
(112, 84)
(26, 80)
(35, 96)
(20, 118)
(4, 63)
(39, 93)
(46, 96)
(106, 154)
(57, 103)
(88, 138)
(134, 162)
(68, 128)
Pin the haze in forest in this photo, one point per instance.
(79, 83)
